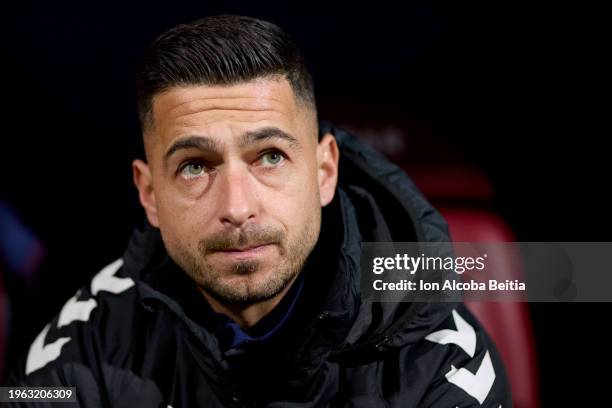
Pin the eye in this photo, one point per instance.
(192, 170)
(271, 159)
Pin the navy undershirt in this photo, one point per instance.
(231, 336)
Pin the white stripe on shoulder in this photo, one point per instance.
(107, 281)
(40, 354)
(75, 310)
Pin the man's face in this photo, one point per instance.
(235, 181)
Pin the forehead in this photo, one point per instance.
(264, 101)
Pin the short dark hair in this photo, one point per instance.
(220, 50)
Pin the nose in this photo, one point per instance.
(237, 196)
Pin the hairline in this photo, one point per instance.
(147, 122)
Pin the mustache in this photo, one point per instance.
(248, 237)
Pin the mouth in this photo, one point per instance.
(246, 252)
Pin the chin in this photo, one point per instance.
(260, 280)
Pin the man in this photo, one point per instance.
(244, 287)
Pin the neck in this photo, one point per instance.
(248, 315)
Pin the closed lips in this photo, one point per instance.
(243, 249)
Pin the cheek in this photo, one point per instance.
(182, 219)
(296, 205)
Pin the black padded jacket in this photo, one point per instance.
(134, 337)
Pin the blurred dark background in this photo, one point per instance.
(516, 90)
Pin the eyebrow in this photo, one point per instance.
(208, 144)
(267, 133)
(193, 142)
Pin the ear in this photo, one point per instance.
(144, 183)
(327, 162)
